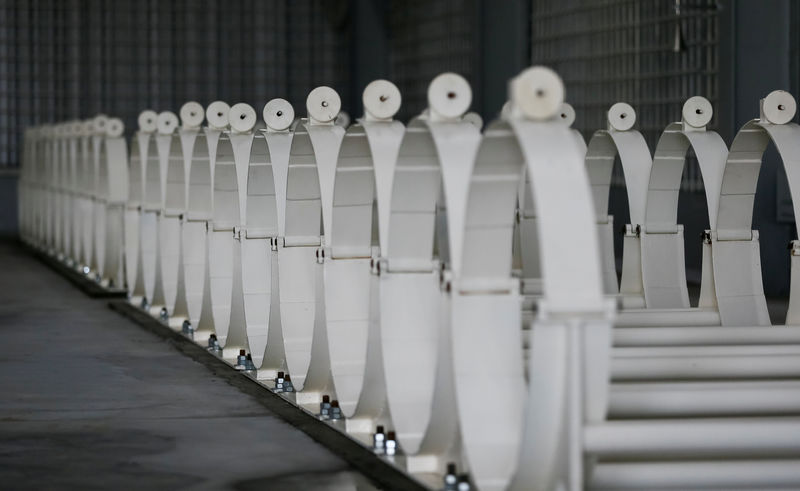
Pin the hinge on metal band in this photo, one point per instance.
(320, 253)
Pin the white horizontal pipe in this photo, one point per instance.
(686, 438)
(753, 474)
(758, 350)
(702, 367)
(696, 335)
(667, 317)
(654, 400)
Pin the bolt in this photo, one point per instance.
(86, 270)
(163, 314)
(241, 360)
(463, 483)
(144, 304)
(249, 366)
(336, 411)
(279, 382)
(213, 344)
(450, 478)
(391, 443)
(287, 384)
(379, 441)
(325, 408)
(186, 327)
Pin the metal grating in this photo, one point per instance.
(65, 59)
(428, 38)
(625, 50)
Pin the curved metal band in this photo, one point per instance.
(737, 264)
(230, 184)
(367, 147)
(415, 315)
(197, 232)
(603, 148)
(136, 195)
(309, 198)
(663, 265)
(112, 195)
(86, 185)
(260, 228)
(568, 368)
(172, 187)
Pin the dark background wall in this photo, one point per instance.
(64, 59)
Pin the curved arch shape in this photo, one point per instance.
(65, 201)
(434, 161)
(487, 294)
(365, 163)
(86, 184)
(136, 186)
(663, 264)
(737, 263)
(296, 275)
(174, 206)
(73, 224)
(57, 191)
(114, 186)
(571, 345)
(601, 151)
(486, 290)
(200, 220)
(199, 195)
(226, 219)
(148, 238)
(97, 151)
(260, 229)
(225, 266)
(101, 188)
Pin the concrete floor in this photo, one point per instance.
(92, 401)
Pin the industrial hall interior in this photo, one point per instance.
(440, 245)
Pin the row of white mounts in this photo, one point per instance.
(456, 286)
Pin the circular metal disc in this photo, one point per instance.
(621, 116)
(192, 114)
(567, 114)
(697, 111)
(449, 95)
(381, 99)
(474, 118)
(242, 117)
(167, 122)
(100, 121)
(148, 121)
(217, 114)
(538, 92)
(323, 104)
(342, 119)
(278, 114)
(77, 128)
(779, 107)
(115, 127)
